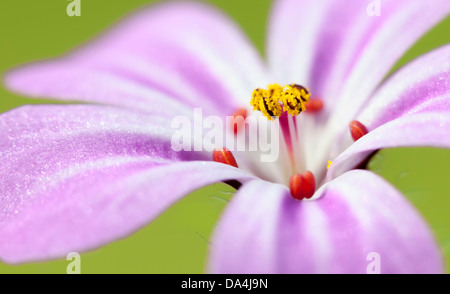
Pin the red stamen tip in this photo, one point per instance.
(238, 124)
(302, 185)
(314, 105)
(357, 130)
(223, 155)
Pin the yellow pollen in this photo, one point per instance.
(329, 163)
(275, 100)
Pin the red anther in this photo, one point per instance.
(314, 105)
(238, 124)
(224, 155)
(357, 130)
(302, 185)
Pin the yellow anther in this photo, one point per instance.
(275, 90)
(329, 163)
(267, 101)
(276, 99)
(294, 98)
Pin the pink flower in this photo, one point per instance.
(75, 177)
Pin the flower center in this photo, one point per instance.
(278, 102)
(283, 103)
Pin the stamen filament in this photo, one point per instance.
(286, 130)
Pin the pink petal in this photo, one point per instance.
(264, 230)
(338, 50)
(63, 79)
(428, 129)
(421, 86)
(188, 51)
(76, 177)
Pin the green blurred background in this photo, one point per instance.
(177, 242)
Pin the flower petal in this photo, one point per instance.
(421, 86)
(93, 206)
(188, 51)
(76, 177)
(49, 135)
(428, 129)
(339, 50)
(70, 81)
(264, 230)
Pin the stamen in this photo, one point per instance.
(357, 130)
(314, 105)
(294, 98)
(238, 122)
(276, 100)
(223, 155)
(329, 163)
(302, 186)
(266, 101)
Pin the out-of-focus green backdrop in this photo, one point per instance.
(177, 242)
